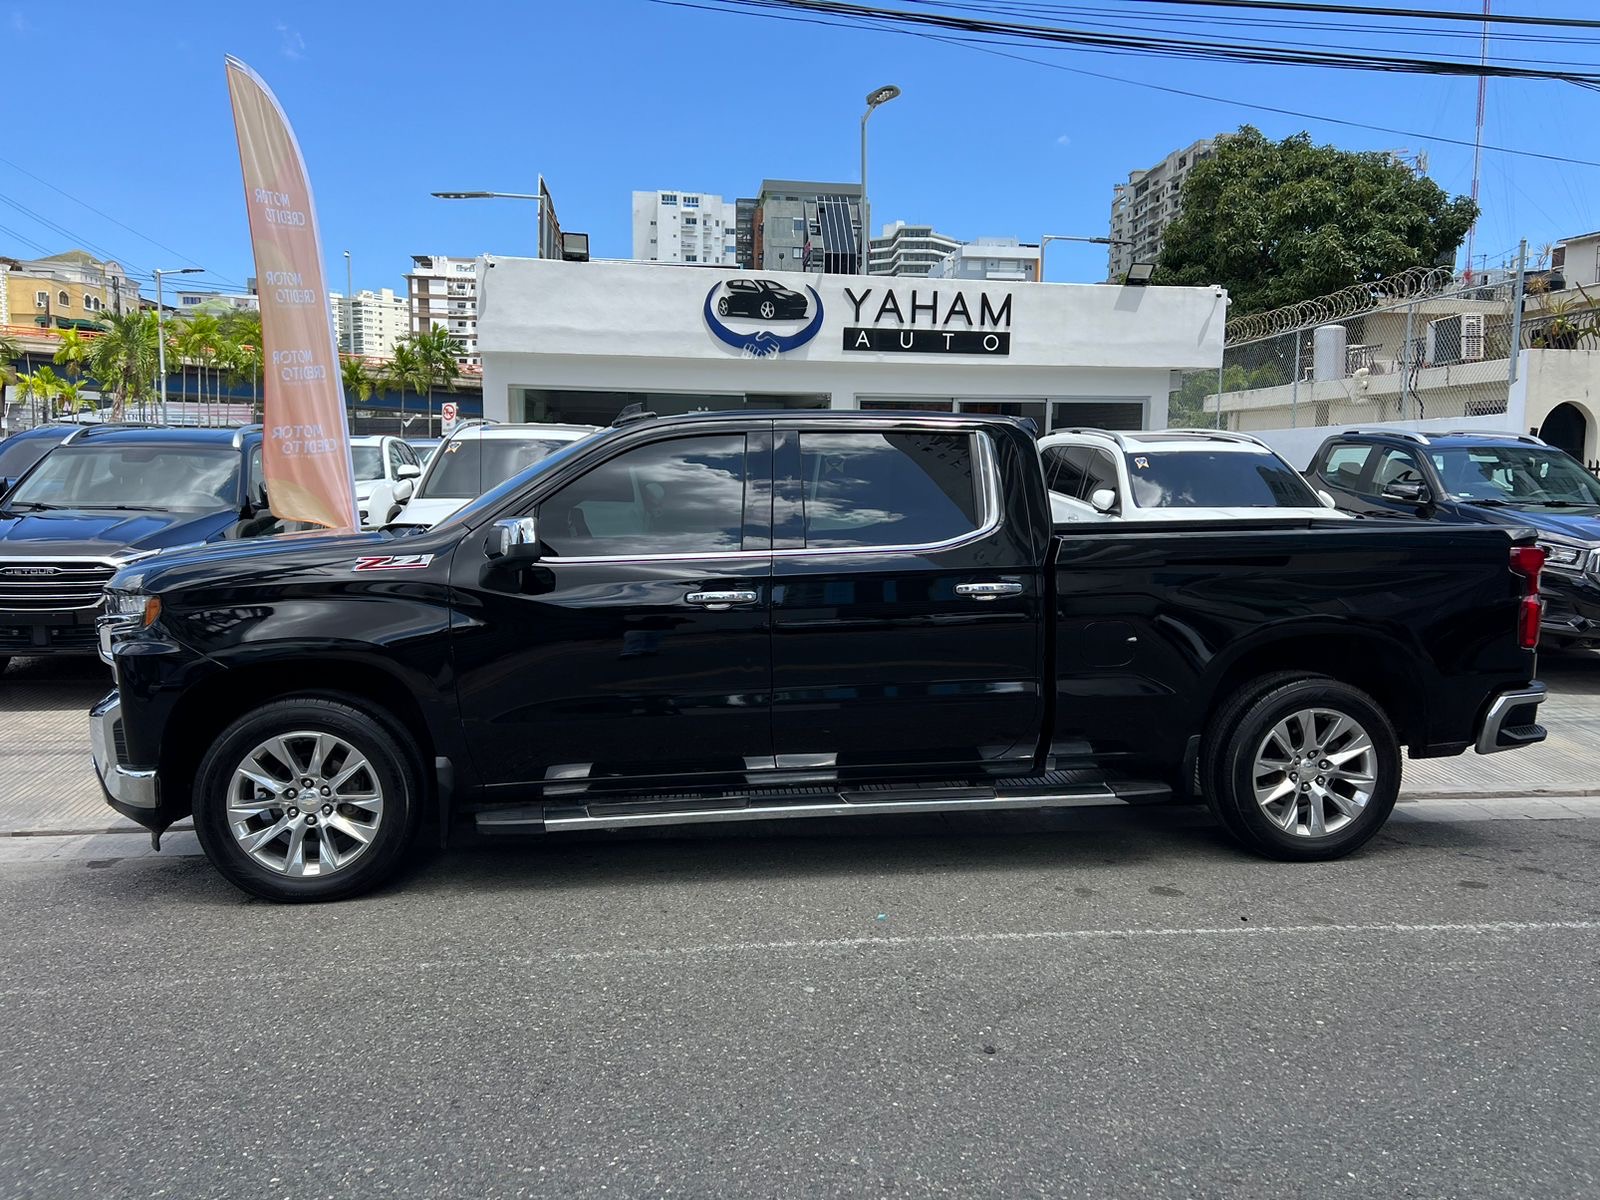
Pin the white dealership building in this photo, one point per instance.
(579, 341)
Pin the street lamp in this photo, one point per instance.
(541, 198)
(349, 307)
(161, 338)
(874, 98)
(1139, 272)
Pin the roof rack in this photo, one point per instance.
(634, 412)
(84, 430)
(1529, 438)
(238, 434)
(1107, 433)
(1415, 436)
(470, 423)
(1219, 435)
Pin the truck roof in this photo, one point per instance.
(163, 435)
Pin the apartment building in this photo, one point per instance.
(803, 225)
(904, 249)
(1142, 208)
(370, 324)
(442, 293)
(63, 291)
(990, 258)
(684, 227)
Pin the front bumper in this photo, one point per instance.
(125, 787)
(1571, 606)
(1510, 723)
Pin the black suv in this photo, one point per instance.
(103, 497)
(1506, 479)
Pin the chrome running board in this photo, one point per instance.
(629, 812)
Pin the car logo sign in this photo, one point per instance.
(32, 571)
(760, 301)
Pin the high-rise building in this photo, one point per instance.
(807, 226)
(990, 258)
(1142, 208)
(442, 293)
(378, 320)
(684, 227)
(909, 249)
(744, 221)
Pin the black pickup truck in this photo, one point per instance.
(733, 617)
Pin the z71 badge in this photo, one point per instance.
(393, 562)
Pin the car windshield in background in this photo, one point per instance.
(1517, 474)
(368, 461)
(469, 468)
(1215, 479)
(153, 478)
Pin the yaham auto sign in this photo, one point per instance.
(927, 321)
(765, 318)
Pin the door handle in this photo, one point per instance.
(988, 591)
(718, 601)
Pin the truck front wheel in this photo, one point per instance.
(1306, 769)
(306, 799)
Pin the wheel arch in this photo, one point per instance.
(1381, 666)
(209, 706)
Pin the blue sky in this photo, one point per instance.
(392, 101)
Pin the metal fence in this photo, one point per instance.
(1417, 345)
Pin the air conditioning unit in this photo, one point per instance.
(1455, 339)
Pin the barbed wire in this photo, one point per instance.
(1414, 283)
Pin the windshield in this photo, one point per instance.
(367, 461)
(467, 469)
(1517, 474)
(493, 497)
(1216, 479)
(154, 478)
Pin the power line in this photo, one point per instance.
(1358, 10)
(714, 6)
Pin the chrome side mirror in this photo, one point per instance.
(515, 540)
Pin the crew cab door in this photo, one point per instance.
(636, 647)
(906, 602)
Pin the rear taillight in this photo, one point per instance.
(1528, 562)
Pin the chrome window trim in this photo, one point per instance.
(990, 508)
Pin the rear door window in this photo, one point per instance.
(870, 489)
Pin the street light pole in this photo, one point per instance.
(349, 308)
(1068, 237)
(874, 98)
(161, 337)
(540, 198)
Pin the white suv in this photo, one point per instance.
(382, 462)
(476, 458)
(1173, 475)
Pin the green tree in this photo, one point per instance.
(73, 353)
(359, 382)
(10, 355)
(408, 371)
(440, 354)
(41, 384)
(242, 328)
(1280, 222)
(123, 359)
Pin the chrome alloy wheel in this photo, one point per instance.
(304, 804)
(1314, 772)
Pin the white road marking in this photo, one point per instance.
(1071, 935)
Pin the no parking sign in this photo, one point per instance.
(450, 415)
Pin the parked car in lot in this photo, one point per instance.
(22, 449)
(1173, 475)
(382, 460)
(741, 616)
(1510, 480)
(424, 447)
(477, 457)
(104, 496)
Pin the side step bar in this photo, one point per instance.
(630, 812)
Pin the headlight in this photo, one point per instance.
(1560, 557)
(133, 609)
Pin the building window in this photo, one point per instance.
(690, 258)
(41, 299)
(691, 220)
(691, 201)
(669, 198)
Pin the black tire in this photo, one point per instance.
(1242, 729)
(1216, 737)
(393, 770)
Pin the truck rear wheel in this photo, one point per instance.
(1303, 769)
(306, 799)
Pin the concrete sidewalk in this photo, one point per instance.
(47, 784)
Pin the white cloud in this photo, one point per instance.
(290, 43)
(1064, 140)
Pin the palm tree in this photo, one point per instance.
(72, 353)
(69, 396)
(409, 371)
(205, 345)
(241, 332)
(124, 358)
(10, 355)
(440, 354)
(41, 384)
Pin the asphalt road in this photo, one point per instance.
(1080, 1004)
